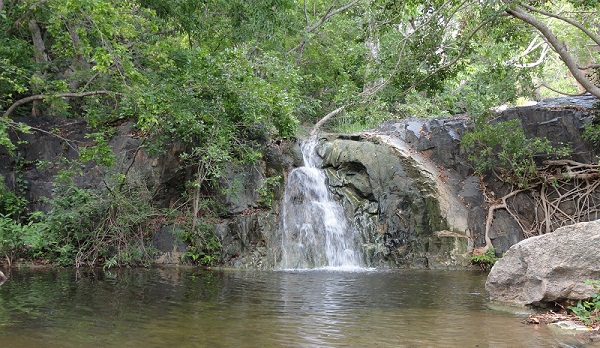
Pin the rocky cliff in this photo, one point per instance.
(408, 210)
(406, 185)
(409, 188)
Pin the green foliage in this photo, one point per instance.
(588, 310)
(21, 240)
(12, 204)
(218, 79)
(108, 226)
(100, 151)
(486, 260)
(418, 105)
(85, 227)
(504, 149)
(591, 132)
(203, 247)
(266, 191)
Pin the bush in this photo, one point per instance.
(486, 260)
(504, 149)
(591, 131)
(94, 226)
(12, 204)
(588, 310)
(203, 246)
(22, 240)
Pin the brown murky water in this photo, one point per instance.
(189, 308)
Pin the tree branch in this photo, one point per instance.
(32, 98)
(374, 89)
(591, 66)
(328, 116)
(328, 14)
(567, 20)
(16, 125)
(558, 46)
(533, 45)
(453, 61)
(502, 204)
(559, 92)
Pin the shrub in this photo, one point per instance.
(588, 310)
(486, 260)
(504, 149)
(100, 226)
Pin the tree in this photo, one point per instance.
(529, 14)
(469, 56)
(219, 99)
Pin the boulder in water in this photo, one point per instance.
(548, 268)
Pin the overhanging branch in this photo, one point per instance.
(32, 98)
(577, 25)
(559, 47)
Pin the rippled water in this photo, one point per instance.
(187, 308)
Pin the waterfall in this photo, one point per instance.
(316, 233)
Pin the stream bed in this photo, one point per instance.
(184, 307)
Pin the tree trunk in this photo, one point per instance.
(41, 57)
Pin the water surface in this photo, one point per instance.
(190, 308)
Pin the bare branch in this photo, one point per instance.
(561, 183)
(16, 125)
(559, 92)
(501, 204)
(32, 98)
(533, 45)
(591, 66)
(41, 56)
(453, 61)
(306, 15)
(328, 116)
(537, 62)
(328, 14)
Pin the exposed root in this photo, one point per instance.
(566, 193)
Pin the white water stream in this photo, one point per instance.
(316, 233)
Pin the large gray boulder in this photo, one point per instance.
(548, 268)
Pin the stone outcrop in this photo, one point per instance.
(407, 212)
(548, 268)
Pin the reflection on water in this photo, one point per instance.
(186, 308)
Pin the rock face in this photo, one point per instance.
(408, 215)
(548, 268)
(406, 185)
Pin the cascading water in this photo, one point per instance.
(315, 233)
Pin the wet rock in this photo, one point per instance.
(408, 217)
(548, 268)
(250, 241)
(568, 326)
(170, 249)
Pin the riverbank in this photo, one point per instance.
(568, 323)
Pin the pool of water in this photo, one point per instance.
(191, 308)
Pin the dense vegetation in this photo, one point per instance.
(220, 76)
